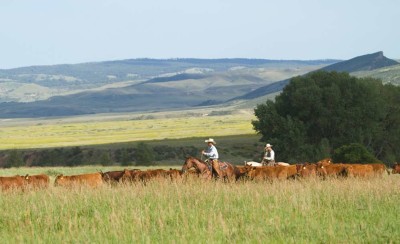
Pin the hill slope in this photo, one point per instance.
(361, 63)
(184, 84)
(389, 74)
(73, 78)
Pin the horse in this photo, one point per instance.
(282, 164)
(225, 170)
(200, 166)
(252, 163)
(256, 164)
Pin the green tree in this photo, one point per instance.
(324, 110)
(353, 153)
(122, 156)
(105, 158)
(144, 155)
(73, 156)
(15, 159)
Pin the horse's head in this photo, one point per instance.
(188, 164)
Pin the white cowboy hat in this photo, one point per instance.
(210, 140)
(268, 145)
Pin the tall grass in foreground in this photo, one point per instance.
(307, 211)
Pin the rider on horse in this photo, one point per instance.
(211, 152)
(269, 156)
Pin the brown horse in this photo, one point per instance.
(200, 166)
(225, 170)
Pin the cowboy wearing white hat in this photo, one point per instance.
(211, 152)
(269, 156)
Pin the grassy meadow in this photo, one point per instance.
(186, 211)
(194, 211)
(59, 133)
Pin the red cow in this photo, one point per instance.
(92, 180)
(331, 170)
(271, 172)
(307, 170)
(38, 181)
(396, 169)
(12, 182)
(359, 170)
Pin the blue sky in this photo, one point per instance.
(43, 32)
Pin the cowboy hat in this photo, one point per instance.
(268, 145)
(210, 140)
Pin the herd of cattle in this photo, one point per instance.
(323, 169)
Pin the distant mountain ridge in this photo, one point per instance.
(64, 79)
(154, 85)
(361, 63)
(140, 84)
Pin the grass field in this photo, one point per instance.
(59, 133)
(307, 211)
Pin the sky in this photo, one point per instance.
(47, 32)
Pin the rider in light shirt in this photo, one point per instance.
(269, 156)
(211, 152)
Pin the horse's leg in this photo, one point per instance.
(231, 174)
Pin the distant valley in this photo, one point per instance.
(161, 85)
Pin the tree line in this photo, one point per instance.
(331, 114)
(142, 155)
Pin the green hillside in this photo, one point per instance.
(361, 63)
(389, 74)
(162, 85)
(183, 84)
(72, 78)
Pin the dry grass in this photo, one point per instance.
(307, 211)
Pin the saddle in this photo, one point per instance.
(222, 165)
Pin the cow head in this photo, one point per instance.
(307, 169)
(59, 179)
(320, 170)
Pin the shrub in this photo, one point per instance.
(353, 153)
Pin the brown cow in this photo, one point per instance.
(242, 171)
(173, 174)
(12, 182)
(324, 162)
(111, 176)
(190, 174)
(130, 175)
(92, 180)
(359, 170)
(114, 176)
(396, 168)
(37, 181)
(379, 169)
(330, 170)
(144, 176)
(307, 170)
(152, 174)
(272, 172)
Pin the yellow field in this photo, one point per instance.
(52, 133)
